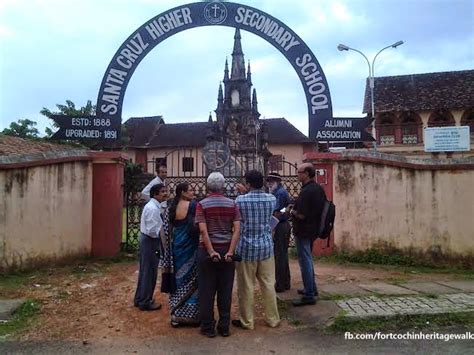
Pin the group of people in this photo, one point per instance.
(200, 246)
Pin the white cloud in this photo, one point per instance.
(62, 49)
(6, 4)
(340, 12)
(263, 65)
(6, 32)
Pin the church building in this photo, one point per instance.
(271, 144)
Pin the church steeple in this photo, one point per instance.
(249, 75)
(237, 106)
(220, 97)
(226, 71)
(238, 62)
(254, 101)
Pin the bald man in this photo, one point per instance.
(305, 216)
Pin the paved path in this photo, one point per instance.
(381, 299)
(366, 307)
(297, 342)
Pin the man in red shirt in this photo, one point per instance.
(219, 223)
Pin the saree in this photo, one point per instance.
(179, 267)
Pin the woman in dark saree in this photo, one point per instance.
(181, 238)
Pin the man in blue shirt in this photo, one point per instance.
(281, 235)
(256, 248)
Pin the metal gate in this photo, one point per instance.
(197, 179)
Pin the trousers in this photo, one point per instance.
(214, 279)
(281, 242)
(148, 271)
(264, 272)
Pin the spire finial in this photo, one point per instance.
(249, 74)
(238, 62)
(254, 101)
(226, 71)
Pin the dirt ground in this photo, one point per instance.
(93, 301)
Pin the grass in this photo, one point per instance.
(13, 281)
(79, 268)
(394, 261)
(23, 317)
(292, 254)
(284, 311)
(334, 297)
(401, 322)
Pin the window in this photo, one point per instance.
(235, 98)
(159, 161)
(468, 120)
(386, 129)
(188, 164)
(410, 124)
(441, 118)
(276, 162)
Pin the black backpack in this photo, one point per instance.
(326, 223)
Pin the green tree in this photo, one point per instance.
(68, 109)
(24, 128)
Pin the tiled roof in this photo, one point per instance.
(10, 145)
(417, 92)
(280, 131)
(189, 134)
(153, 132)
(140, 129)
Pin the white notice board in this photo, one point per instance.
(447, 139)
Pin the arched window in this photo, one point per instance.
(440, 118)
(468, 120)
(386, 129)
(410, 127)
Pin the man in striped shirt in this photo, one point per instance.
(256, 249)
(219, 223)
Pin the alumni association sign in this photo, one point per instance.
(216, 13)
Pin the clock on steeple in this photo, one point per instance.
(236, 104)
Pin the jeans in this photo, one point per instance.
(305, 260)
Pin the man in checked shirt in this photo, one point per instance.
(255, 246)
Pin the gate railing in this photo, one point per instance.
(134, 202)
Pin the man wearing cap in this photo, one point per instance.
(281, 237)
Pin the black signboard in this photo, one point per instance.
(344, 130)
(85, 128)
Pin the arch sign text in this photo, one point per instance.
(322, 126)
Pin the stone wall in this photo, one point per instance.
(59, 205)
(45, 213)
(419, 207)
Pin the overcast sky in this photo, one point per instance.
(54, 50)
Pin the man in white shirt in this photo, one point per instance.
(150, 227)
(161, 173)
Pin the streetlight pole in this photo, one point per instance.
(343, 47)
